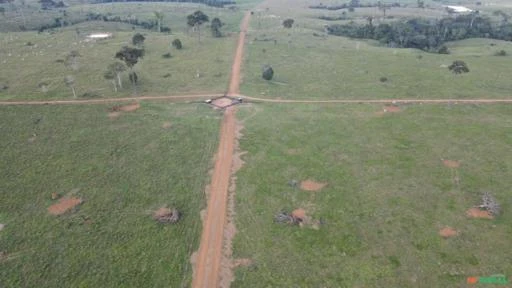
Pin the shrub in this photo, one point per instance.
(383, 79)
(177, 44)
(459, 67)
(443, 50)
(268, 73)
(167, 55)
(501, 53)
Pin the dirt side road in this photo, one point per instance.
(108, 100)
(208, 261)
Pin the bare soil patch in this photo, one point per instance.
(113, 115)
(451, 163)
(242, 262)
(299, 214)
(478, 213)
(310, 185)
(392, 109)
(167, 125)
(127, 108)
(64, 205)
(448, 232)
(222, 102)
(2, 226)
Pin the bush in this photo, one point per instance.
(167, 55)
(177, 44)
(443, 50)
(383, 79)
(459, 67)
(501, 53)
(268, 73)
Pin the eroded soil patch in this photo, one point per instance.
(451, 163)
(64, 205)
(478, 213)
(310, 185)
(448, 232)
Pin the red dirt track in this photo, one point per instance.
(208, 261)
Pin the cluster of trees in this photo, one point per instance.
(155, 24)
(50, 4)
(426, 34)
(353, 4)
(198, 18)
(213, 3)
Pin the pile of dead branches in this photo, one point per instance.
(490, 204)
(166, 215)
(286, 218)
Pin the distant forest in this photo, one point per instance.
(214, 3)
(427, 34)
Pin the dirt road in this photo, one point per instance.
(108, 100)
(235, 87)
(208, 261)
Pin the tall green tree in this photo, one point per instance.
(159, 18)
(70, 82)
(138, 39)
(115, 70)
(197, 19)
(288, 23)
(130, 56)
(215, 26)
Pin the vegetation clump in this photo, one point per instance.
(426, 34)
(166, 215)
(268, 73)
(459, 67)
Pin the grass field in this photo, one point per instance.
(123, 169)
(388, 195)
(40, 64)
(332, 67)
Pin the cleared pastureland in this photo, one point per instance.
(309, 64)
(123, 169)
(387, 196)
(33, 64)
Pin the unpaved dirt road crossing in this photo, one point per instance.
(208, 261)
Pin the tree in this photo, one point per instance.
(138, 39)
(459, 67)
(70, 82)
(116, 69)
(72, 59)
(195, 20)
(130, 56)
(177, 44)
(383, 7)
(2, 11)
(215, 26)
(159, 18)
(268, 73)
(421, 3)
(288, 23)
(110, 75)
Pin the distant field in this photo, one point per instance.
(123, 169)
(387, 195)
(38, 65)
(331, 67)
